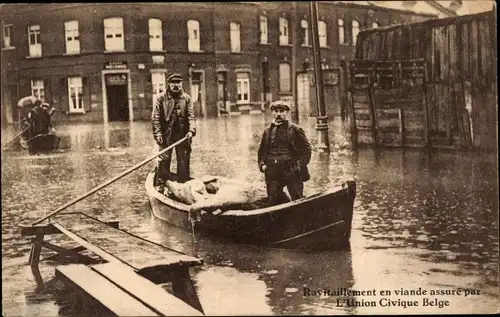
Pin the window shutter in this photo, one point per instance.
(148, 94)
(87, 106)
(63, 100)
(47, 90)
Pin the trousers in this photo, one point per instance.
(276, 179)
(183, 156)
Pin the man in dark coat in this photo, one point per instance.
(173, 118)
(284, 154)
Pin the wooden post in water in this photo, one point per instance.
(322, 118)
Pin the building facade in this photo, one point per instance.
(109, 62)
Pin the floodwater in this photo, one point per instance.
(422, 221)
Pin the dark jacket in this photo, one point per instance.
(301, 148)
(162, 116)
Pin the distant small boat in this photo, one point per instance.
(320, 221)
(41, 143)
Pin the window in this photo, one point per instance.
(34, 41)
(375, 25)
(159, 85)
(305, 32)
(242, 88)
(234, 29)
(322, 34)
(75, 94)
(341, 31)
(285, 80)
(7, 36)
(37, 89)
(263, 30)
(113, 34)
(72, 37)
(355, 31)
(283, 31)
(193, 36)
(155, 35)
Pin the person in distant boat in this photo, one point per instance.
(49, 110)
(173, 118)
(283, 156)
(39, 120)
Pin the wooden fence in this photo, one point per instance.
(441, 72)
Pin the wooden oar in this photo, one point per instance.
(15, 138)
(133, 168)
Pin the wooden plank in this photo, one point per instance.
(115, 245)
(445, 53)
(474, 50)
(453, 51)
(485, 59)
(401, 127)
(29, 230)
(152, 296)
(101, 289)
(464, 54)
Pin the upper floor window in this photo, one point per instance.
(155, 35)
(341, 31)
(323, 40)
(72, 37)
(35, 46)
(285, 78)
(355, 31)
(263, 30)
(304, 25)
(113, 34)
(37, 89)
(375, 25)
(283, 31)
(75, 94)
(7, 36)
(193, 36)
(234, 29)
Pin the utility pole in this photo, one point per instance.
(295, 42)
(322, 119)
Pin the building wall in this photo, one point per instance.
(54, 67)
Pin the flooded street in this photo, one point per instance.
(421, 220)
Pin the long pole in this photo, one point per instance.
(18, 135)
(130, 170)
(322, 119)
(295, 42)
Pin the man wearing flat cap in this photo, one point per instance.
(283, 156)
(173, 118)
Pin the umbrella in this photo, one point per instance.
(27, 101)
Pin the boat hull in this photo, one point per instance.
(42, 143)
(321, 221)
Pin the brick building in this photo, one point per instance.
(108, 62)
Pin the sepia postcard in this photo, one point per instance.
(249, 158)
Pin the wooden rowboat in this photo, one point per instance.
(320, 221)
(41, 143)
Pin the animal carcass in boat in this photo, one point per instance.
(214, 192)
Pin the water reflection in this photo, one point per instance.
(426, 218)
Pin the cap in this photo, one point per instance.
(174, 77)
(280, 104)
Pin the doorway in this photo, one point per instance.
(303, 94)
(117, 97)
(11, 109)
(198, 93)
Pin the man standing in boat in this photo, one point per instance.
(284, 154)
(173, 118)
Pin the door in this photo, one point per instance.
(10, 104)
(197, 96)
(117, 97)
(221, 93)
(303, 94)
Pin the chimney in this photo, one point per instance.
(455, 5)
